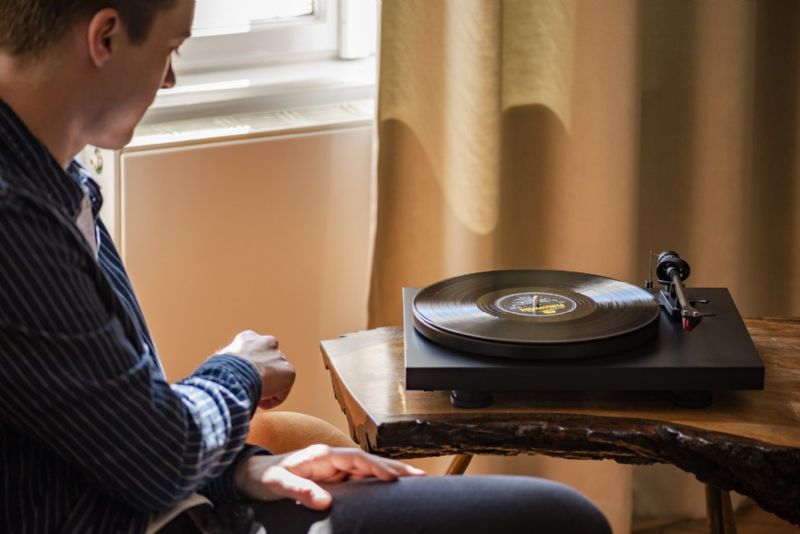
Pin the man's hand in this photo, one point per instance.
(295, 475)
(277, 374)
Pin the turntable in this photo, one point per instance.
(537, 330)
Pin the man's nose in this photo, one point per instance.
(169, 77)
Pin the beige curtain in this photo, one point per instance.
(580, 134)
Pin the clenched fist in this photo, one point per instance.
(277, 373)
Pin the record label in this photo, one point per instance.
(536, 304)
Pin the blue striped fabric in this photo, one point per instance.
(92, 437)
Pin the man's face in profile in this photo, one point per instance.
(135, 74)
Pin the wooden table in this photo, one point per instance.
(747, 441)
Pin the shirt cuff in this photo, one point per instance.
(246, 373)
(223, 488)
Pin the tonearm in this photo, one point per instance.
(671, 271)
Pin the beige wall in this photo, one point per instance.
(269, 233)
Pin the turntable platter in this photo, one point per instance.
(536, 314)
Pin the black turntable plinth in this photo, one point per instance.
(717, 355)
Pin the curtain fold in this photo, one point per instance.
(581, 134)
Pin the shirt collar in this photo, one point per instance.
(77, 171)
(30, 166)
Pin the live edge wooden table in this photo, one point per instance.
(747, 441)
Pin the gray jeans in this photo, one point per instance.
(462, 504)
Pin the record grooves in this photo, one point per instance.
(536, 314)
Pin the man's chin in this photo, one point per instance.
(113, 142)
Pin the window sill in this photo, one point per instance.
(283, 99)
(271, 88)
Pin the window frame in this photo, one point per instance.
(270, 70)
(310, 37)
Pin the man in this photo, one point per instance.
(92, 437)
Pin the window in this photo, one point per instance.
(213, 17)
(235, 34)
(271, 54)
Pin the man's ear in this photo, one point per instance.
(103, 35)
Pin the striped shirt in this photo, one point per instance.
(92, 437)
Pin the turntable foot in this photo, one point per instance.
(462, 398)
(691, 399)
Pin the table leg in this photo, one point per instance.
(719, 511)
(459, 464)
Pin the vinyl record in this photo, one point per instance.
(536, 314)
